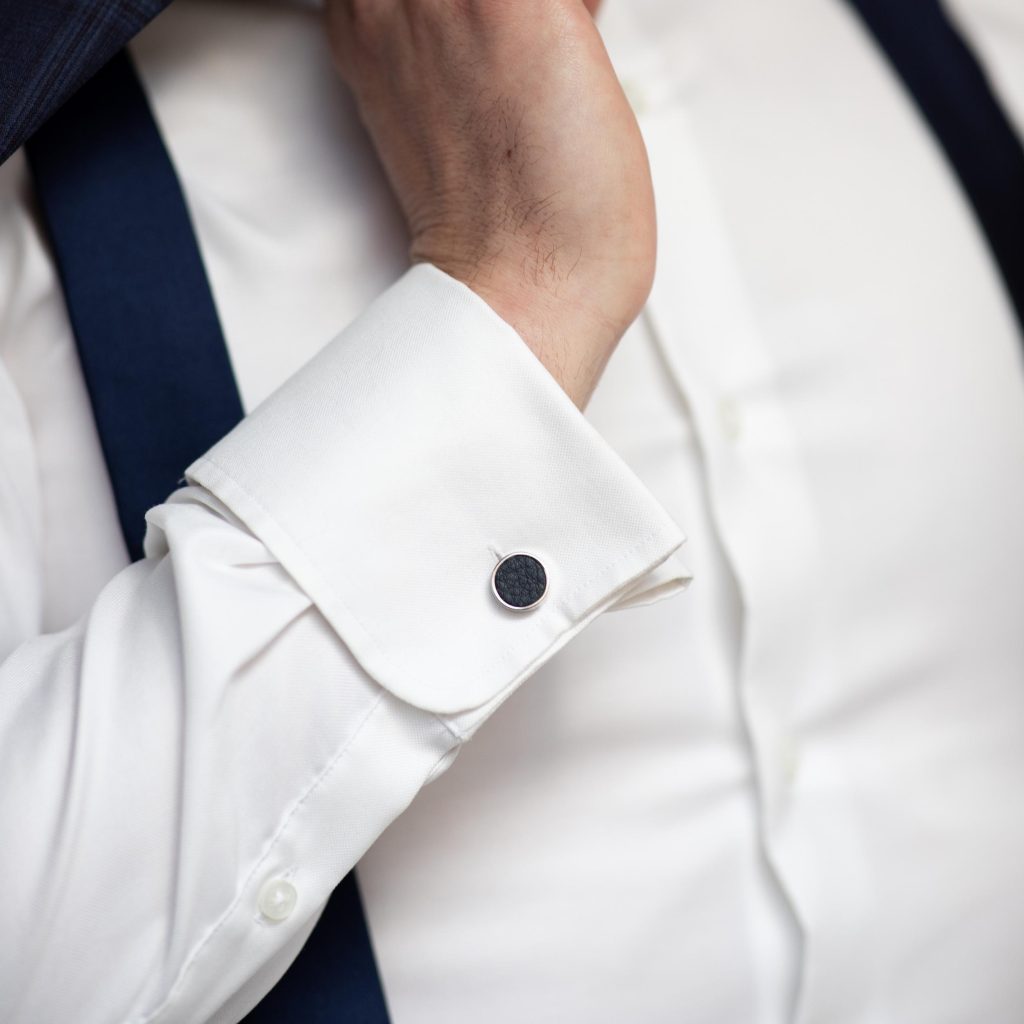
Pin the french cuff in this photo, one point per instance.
(392, 473)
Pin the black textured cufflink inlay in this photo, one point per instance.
(519, 581)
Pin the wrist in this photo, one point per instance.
(571, 335)
(574, 343)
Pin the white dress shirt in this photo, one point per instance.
(791, 793)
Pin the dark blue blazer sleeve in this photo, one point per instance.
(48, 48)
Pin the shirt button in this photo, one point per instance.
(519, 581)
(730, 419)
(277, 899)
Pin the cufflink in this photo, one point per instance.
(519, 581)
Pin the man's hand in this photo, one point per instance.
(516, 160)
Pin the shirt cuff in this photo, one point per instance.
(391, 473)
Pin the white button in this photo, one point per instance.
(789, 757)
(277, 899)
(730, 419)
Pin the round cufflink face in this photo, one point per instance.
(519, 581)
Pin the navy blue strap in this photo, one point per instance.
(952, 92)
(149, 340)
(162, 392)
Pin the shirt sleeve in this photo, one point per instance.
(190, 770)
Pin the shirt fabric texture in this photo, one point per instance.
(790, 793)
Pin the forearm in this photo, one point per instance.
(310, 638)
(516, 160)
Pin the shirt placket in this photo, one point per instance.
(765, 515)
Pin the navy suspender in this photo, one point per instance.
(951, 91)
(148, 336)
(162, 392)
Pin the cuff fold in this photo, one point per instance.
(390, 474)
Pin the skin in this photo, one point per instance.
(516, 160)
